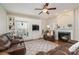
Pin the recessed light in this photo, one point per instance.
(45, 10)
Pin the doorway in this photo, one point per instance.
(21, 29)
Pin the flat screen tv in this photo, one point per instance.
(35, 27)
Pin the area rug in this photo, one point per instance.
(32, 47)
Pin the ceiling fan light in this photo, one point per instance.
(44, 10)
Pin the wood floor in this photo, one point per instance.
(59, 42)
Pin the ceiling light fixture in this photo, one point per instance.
(45, 10)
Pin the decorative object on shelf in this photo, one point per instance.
(49, 35)
(57, 26)
(69, 25)
(48, 28)
(22, 23)
(11, 23)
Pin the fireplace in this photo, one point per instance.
(64, 36)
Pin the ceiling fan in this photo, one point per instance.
(45, 8)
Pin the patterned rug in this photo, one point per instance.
(32, 47)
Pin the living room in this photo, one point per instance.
(31, 25)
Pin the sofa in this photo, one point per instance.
(47, 36)
(15, 47)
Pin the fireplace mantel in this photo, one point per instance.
(63, 30)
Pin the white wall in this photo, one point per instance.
(65, 18)
(35, 34)
(76, 22)
(62, 19)
(44, 24)
(3, 21)
(52, 23)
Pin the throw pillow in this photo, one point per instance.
(74, 47)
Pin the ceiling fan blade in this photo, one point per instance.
(38, 9)
(45, 5)
(51, 8)
(40, 12)
(47, 12)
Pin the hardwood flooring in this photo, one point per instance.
(59, 42)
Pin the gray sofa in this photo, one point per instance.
(16, 45)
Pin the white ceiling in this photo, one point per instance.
(28, 8)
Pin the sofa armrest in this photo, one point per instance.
(41, 53)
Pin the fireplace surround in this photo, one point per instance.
(64, 36)
(64, 33)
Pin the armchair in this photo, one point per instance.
(49, 35)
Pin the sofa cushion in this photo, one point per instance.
(74, 47)
(9, 35)
(72, 41)
(76, 52)
(4, 42)
(41, 53)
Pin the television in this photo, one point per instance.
(35, 27)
